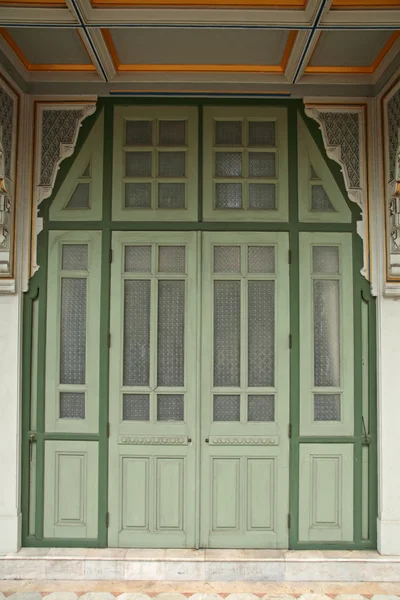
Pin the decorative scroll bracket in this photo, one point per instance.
(343, 134)
(58, 125)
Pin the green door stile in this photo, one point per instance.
(94, 451)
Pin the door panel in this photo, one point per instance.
(153, 388)
(245, 390)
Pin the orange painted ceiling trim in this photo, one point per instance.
(277, 4)
(123, 68)
(368, 4)
(356, 69)
(42, 67)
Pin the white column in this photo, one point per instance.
(388, 425)
(10, 409)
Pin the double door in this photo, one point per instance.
(199, 390)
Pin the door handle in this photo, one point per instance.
(207, 440)
(32, 438)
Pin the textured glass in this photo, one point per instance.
(226, 259)
(171, 333)
(261, 333)
(172, 133)
(138, 259)
(136, 407)
(73, 330)
(228, 133)
(139, 133)
(226, 333)
(325, 259)
(80, 197)
(327, 407)
(170, 407)
(319, 199)
(228, 164)
(138, 195)
(261, 133)
(261, 259)
(171, 259)
(226, 408)
(228, 195)
(262, 196)
(171, 195)
(138, 164)
(261, 408)
(136, 358)
(326, 333)
(313, 173)
(74, 257)
(72, 405)
(171, 164)
(261, 164)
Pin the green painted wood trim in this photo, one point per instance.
(200, 163)
(26, 411)
(31, 542)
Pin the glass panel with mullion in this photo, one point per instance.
(228, 164)
(136, 349)
(227, 333)
(172, 133)
(171, 333)
(73, 330)
(139, 133)
(261, 333)
(228, 133)
(326, 301)
(138, 164)
(228, 196)
(226, 407)
(261, 133)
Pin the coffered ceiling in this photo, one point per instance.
(279, 47)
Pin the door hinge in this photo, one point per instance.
(290, 430)
(289, 257)
(111, 255)
(108, 430)
(288, 521)
(290, 341)
(108, 519)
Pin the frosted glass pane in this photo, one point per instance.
(226, 408)
(171, 333)
(170, 407)
(136, 407)
(80, 197)
(262, 196)
(261, 164)
(325, 259)
(138, 195)
(261, 133)
(327, 407)
(73, 331)
(226, 259)
(228, 195)
(261, 332)
(261, 408)
(136, 357)
(326, 333)
(172, 133)
(72, 405)
(139, 133)
(228, 133)
(171, 259)
(171, 164)
(138, 259)
(261, 259)
(171, 195)
(228, 164)
(226, 333)
(74, 257)
(138, 164)
(320, 200)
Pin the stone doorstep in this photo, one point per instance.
(198, 565)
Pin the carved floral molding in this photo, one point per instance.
(343, 133)
(391, 153)
(9, 107)
(58, 127)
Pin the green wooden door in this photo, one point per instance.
(152, 400)
(245, 391)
